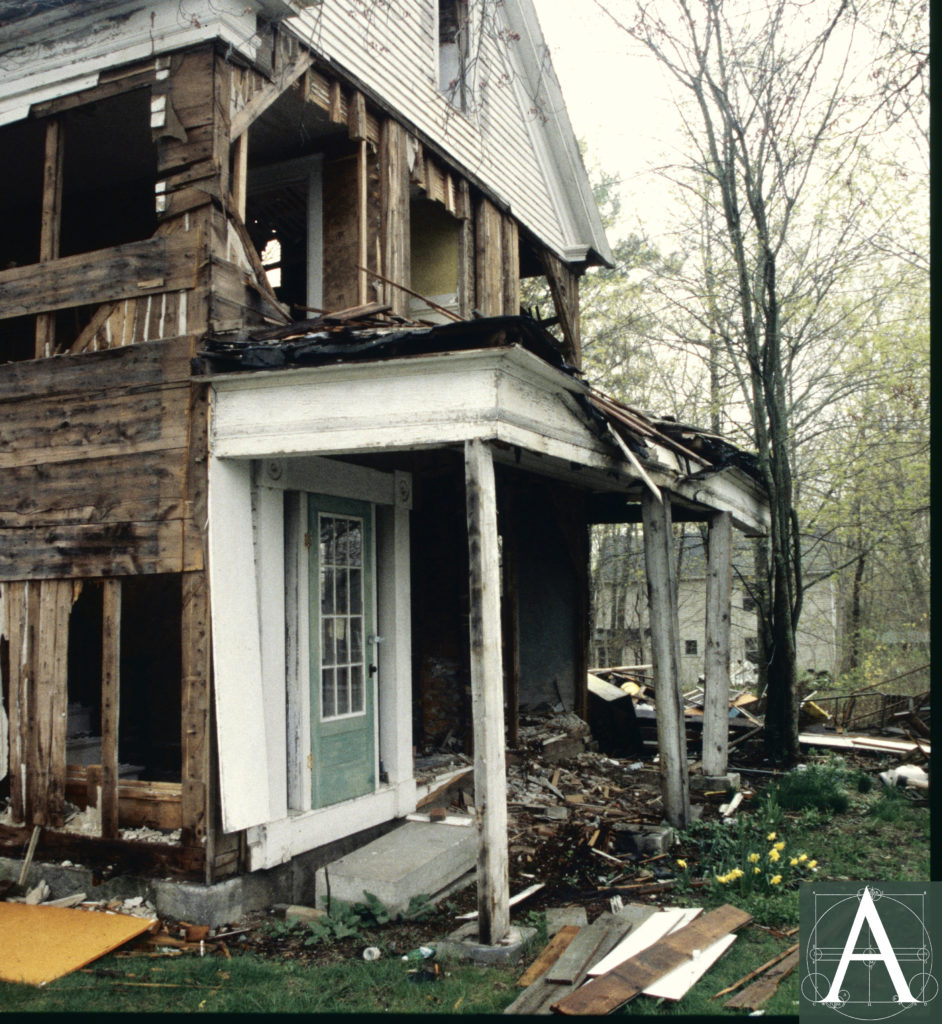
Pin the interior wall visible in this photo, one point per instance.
(434, 240)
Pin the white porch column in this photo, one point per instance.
(487, 697)
(665, 649)
(719, 584)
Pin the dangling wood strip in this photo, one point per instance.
(110, 702)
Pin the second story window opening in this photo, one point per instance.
(453, 51)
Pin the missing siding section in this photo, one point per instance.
(435, 236)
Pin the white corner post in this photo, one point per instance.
(665, 649)
(487, 695)
(719, 584)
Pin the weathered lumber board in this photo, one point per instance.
(612, 990)
(761, 991)
(153, 265)
(553, 950)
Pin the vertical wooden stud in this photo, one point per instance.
(195, 708)
(48, 698)
(487, 692)
(110, 704)
(15, 608)
(716, 667)
(510, 617)
(363, 227)
(665, 649)
(394, 176)
(51, 227)
(510, 266)
(466, 298)
(240, 170)
(488, 259)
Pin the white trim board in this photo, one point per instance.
(645, 934)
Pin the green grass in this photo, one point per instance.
(248, 984)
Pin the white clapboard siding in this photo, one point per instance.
(377, 46)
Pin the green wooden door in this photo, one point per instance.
(341, 630)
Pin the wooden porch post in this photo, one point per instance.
(665, 650)
(716, 669)
(487, 696)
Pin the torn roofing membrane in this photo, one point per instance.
(371, 336)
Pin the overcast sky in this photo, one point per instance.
(617, 101)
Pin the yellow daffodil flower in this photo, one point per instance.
(775, 879)
(812, 863)
(753, 858)
(802, 858)
(681, 863)
(780, 845)
(774, 855)
(793, 862)
(771, 837)
(757, 871)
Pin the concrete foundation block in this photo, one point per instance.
(727, 784)
(463, 944)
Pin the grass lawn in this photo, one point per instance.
(876, 836)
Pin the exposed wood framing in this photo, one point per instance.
(266, 96)
(154, 265)
(564, 287)
(394, 176)
(196, 699)
(665, 650)
(342, 233)
(240, 172)
(489, 263)
(510, 265)
(716, 669)
(363, 228)
(465, 251)
(487, 695)
(510, 616)
(51, 225)
(110, 703)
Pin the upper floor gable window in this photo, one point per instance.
(453, 51)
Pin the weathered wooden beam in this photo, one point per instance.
(716, 668)
(665, 649)
(487, 696)
(510, 265)
(159, 264)
(265, 97)
(510, 616)
(240, 174)
(51, 226)
(564, 287)
(396, 245)
(195, 701)
(488, 259)
(110, 704)
(363, 227)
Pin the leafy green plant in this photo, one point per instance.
(342, 921)
(818, 786)
(419, 908)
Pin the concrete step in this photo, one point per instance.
(416, 859)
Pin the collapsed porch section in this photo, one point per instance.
(398, 411)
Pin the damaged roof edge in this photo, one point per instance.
(700, 455)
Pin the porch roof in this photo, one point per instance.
(332, 388)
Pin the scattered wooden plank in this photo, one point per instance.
(512, 902)
(678, 982)
(643, 935)
(553, 950)
(612, 990)
(762, 990)
(28, 859)
(727, 809)
(752, 974)
(580, 953)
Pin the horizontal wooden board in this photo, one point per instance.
(126, 370)
(43, 431)
(150, 266)
(92, 549)
(138, 487)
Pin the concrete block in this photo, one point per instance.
(728, 783)
(413, 860)
(463, 944)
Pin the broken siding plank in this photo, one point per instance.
(110, 704)
(678, 982)
(612, 990)
(644, 934)
(152, 266)
(51, 225)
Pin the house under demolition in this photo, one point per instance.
(289, 485)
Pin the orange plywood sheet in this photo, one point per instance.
(39, 944)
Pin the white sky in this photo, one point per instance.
(618, 101)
